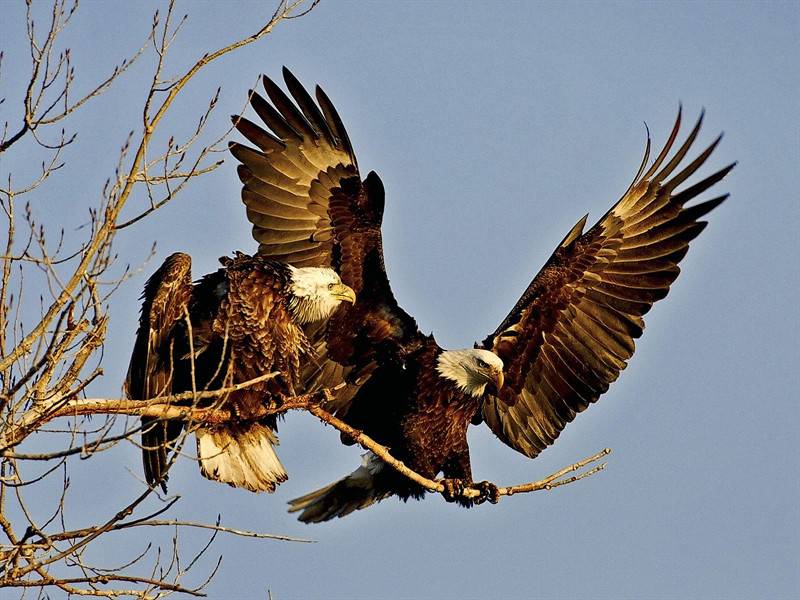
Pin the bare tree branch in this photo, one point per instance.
(164, 408)
(51, 358)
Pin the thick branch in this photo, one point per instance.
(164, 408)
(161, 408)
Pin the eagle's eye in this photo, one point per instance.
(330, 286)
(482, 364)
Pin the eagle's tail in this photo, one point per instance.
(241, 456)
(362, 488)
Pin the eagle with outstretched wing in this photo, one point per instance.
(561, 346)
(231, 327)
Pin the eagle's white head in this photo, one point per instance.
(472, 370)
(316, 292)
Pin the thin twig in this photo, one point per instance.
(231, 530)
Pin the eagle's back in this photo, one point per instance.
(242, 316)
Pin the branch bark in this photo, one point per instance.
(164, 408)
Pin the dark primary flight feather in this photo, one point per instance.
(562, 344)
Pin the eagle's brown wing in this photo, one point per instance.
(572, 331)
(166, 299)
(309, 207)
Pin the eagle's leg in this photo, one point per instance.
(287, 386)
(453, 488)
(458, 476)
(488, 492)
(278, 391)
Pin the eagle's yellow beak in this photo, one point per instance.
(343, 292)
(499, 379)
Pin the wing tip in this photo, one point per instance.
(575, 232)
(267, 82)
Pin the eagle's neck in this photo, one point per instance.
(308, 309)
(452, 365)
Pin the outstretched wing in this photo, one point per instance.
(573, 330)
(309, 207)
(166, 299)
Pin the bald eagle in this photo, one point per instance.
(566, 339)
(232, 326)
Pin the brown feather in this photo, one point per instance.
(309, 207)
(241, 328)
(577, 320)
(166, 300)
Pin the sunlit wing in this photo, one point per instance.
(572, 331)
(309, 207)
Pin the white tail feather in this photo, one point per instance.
(241, 457)
(358, 490)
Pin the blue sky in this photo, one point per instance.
(494, 128)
